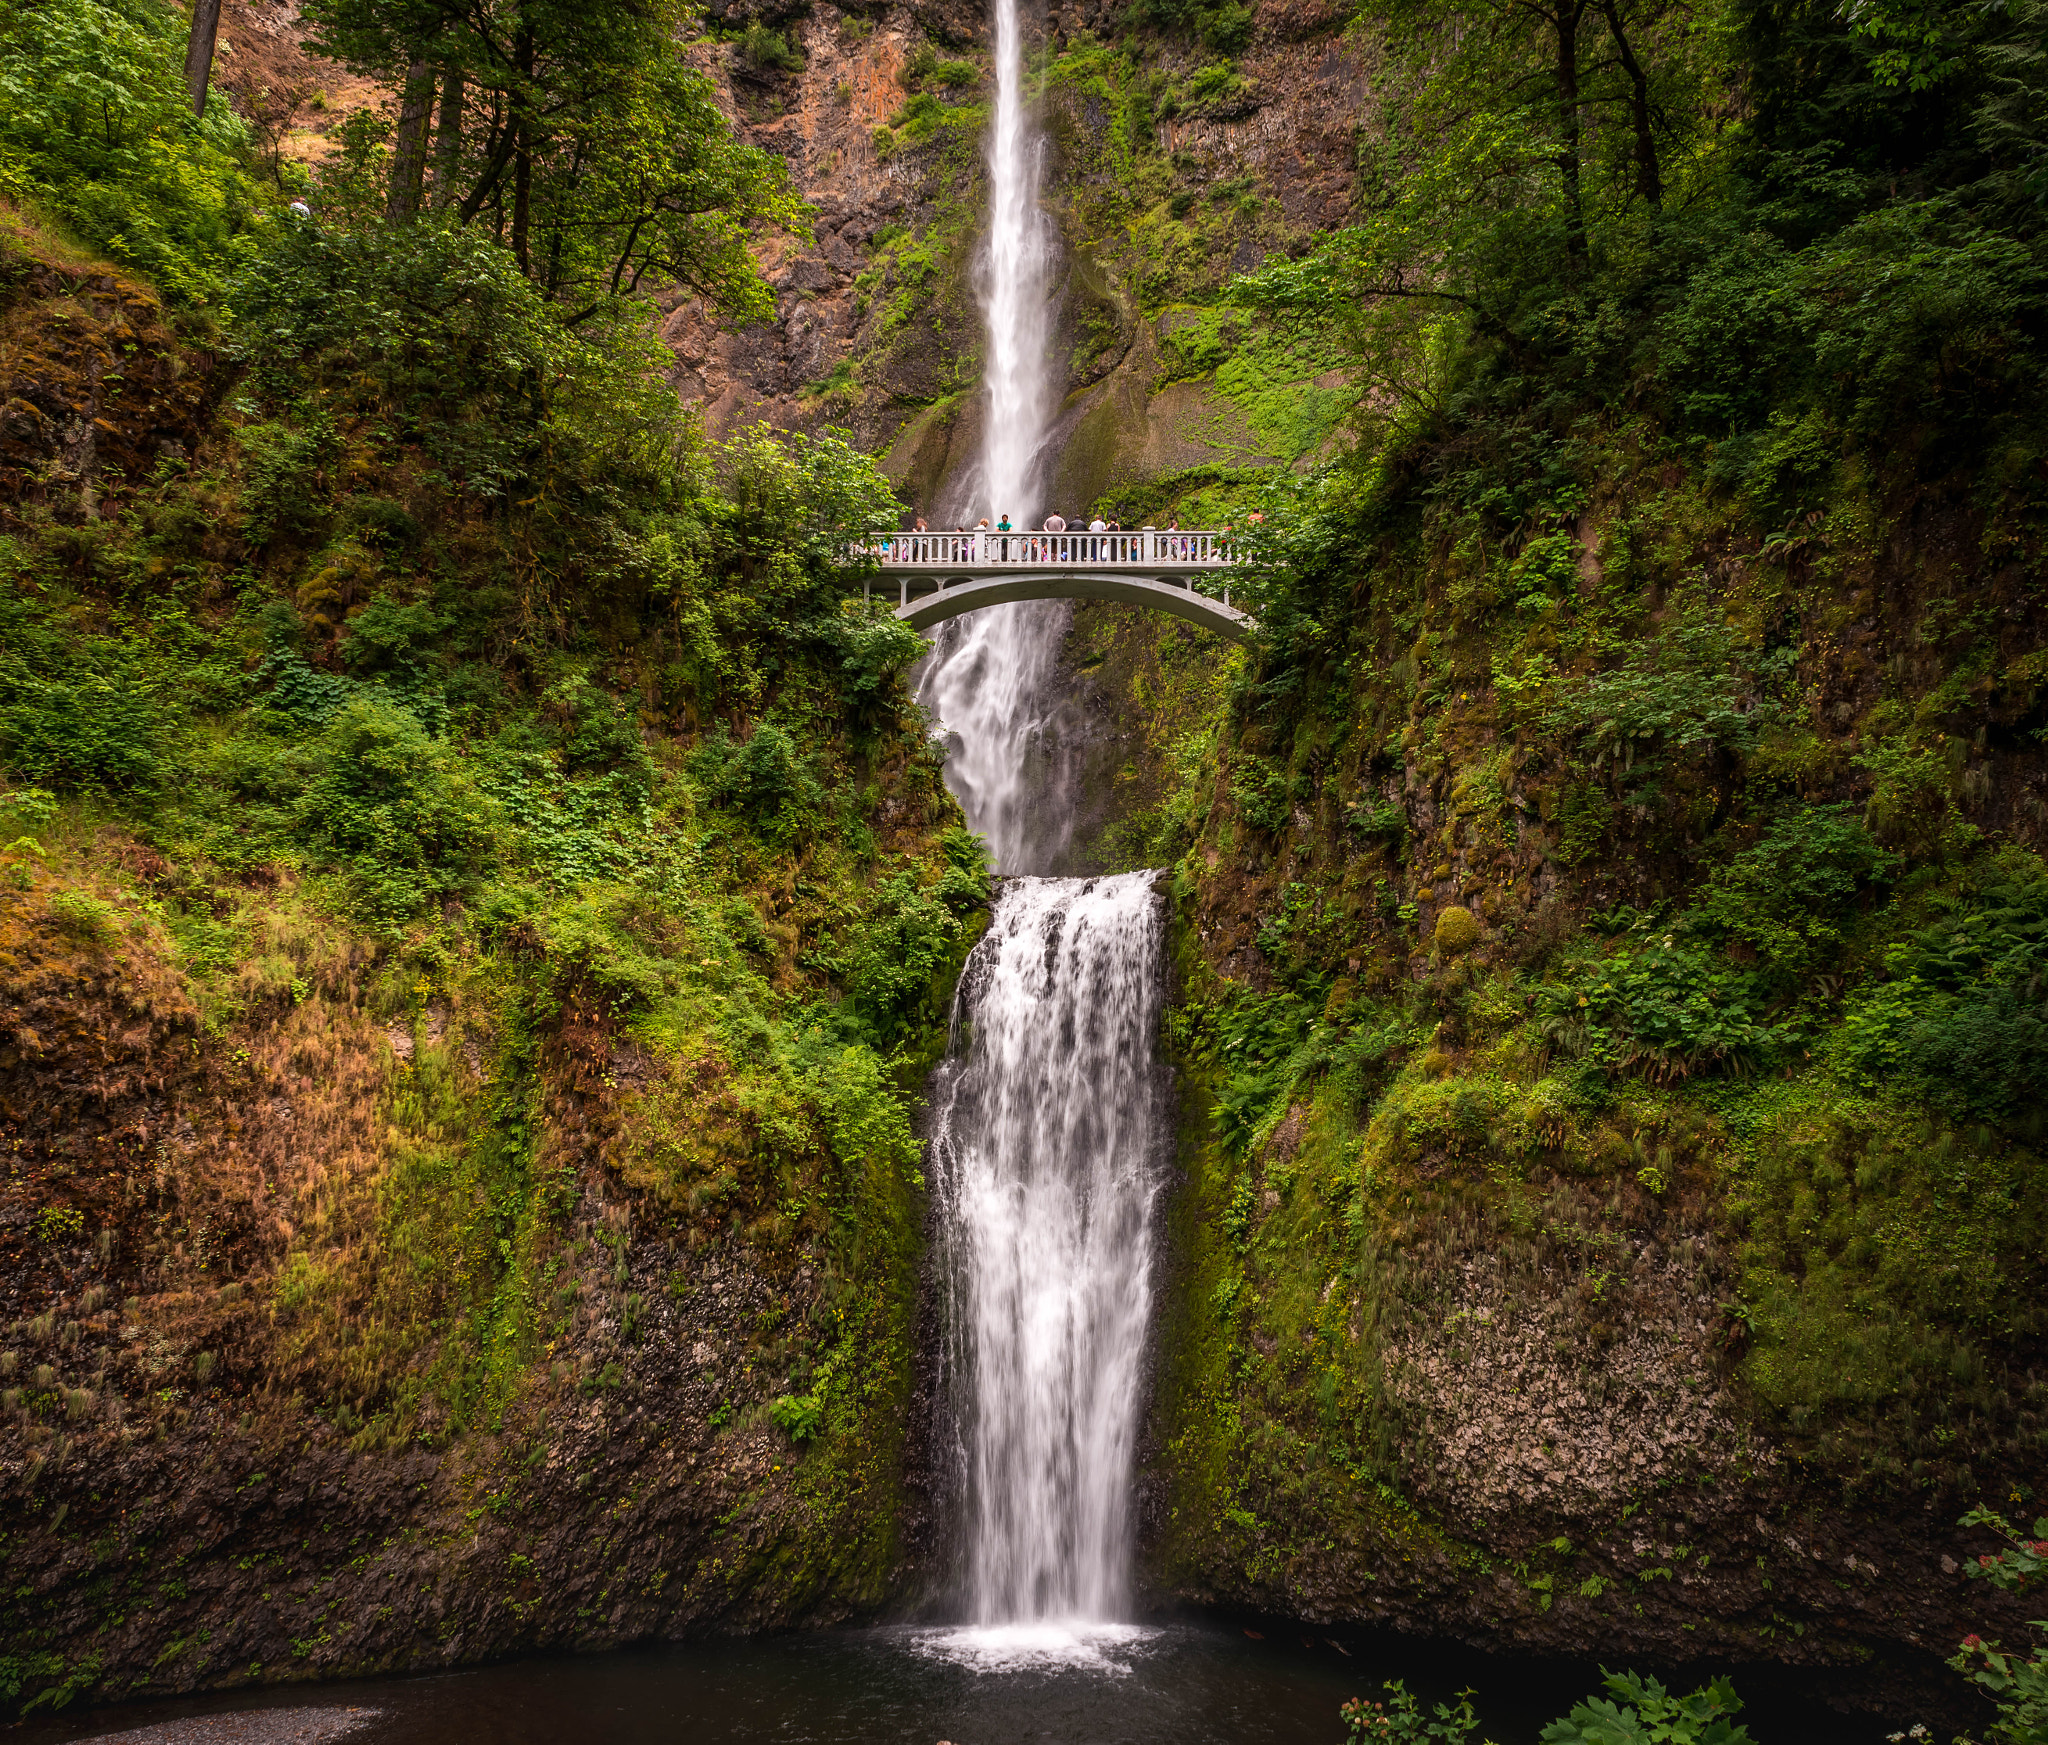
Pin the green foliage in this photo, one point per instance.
(1679, 692)
(2018, 1686)
(890, 970)
(1964, 1015)
(1640, 1711)
(394, 811)
(77, 712)
(876, 649)
(1790, 898)
(797, 1416)
(1261, 793)
(764, 780)
(52, 1679)
(1400, 1720)
(1887, 1267)
(1262, 1048)
(769, 49)
(435, 327)
(1222, 26)
(54, 1224)
(924, 68)
(1668, 1010)
(96, 121)
(86, 919)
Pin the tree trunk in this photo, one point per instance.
(1567, 19)
(448, 138)
(1649, 180)
(522, 152)
(199, 51)
(409, 145)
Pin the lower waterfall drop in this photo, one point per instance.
(1045, 1152)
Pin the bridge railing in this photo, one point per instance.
(1142, 549)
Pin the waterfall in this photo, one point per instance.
(1047, 1112)
(1045, 1155)
(987, 680)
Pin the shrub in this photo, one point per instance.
(765, 780)
(874, 649)
(1679, 693)
(1259, 790)
(1222, 26)
(393, 810)
(798, 1416)
(56, 1224)
(1639, 1711)
(84, 918)
(888, 965)
(923, 68)
(1964, 1017)
(769, 49)
(600, 735)
(94, 110)
(1666, 1010)
(435, 327)
(1642, 1712)
(1790, 896)
(2019, 1686)
(75, 712)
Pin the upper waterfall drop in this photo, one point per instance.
(1015, 270)
(987, 681)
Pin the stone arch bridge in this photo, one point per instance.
(941, 575)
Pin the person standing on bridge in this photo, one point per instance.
(1098, 525)
(1003, 526)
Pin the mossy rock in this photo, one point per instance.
(1457, 930)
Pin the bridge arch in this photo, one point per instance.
(941, 575)
(969, 594)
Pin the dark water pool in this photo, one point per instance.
(1184, 1683)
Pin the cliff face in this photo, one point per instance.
(1166, 171)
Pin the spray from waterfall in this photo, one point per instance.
(987, 680)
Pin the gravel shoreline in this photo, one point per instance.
(294, 1726)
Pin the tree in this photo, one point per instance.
(578, 135)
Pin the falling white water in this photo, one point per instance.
(1014, 270)
(987, 680)
(1044, 1152)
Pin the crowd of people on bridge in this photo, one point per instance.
(1033, 545)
